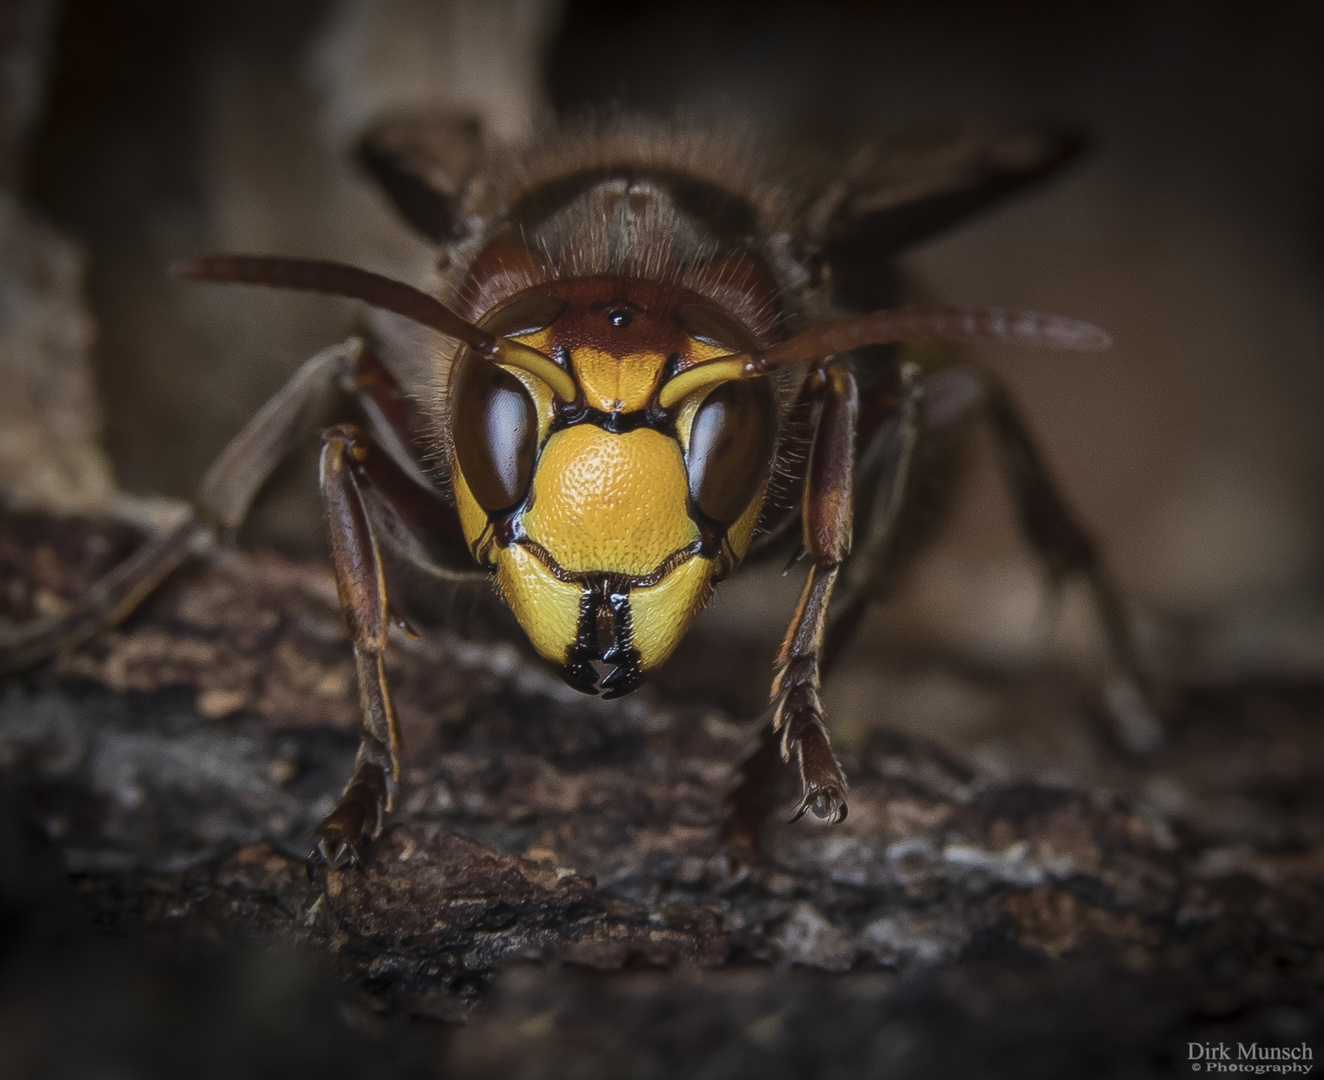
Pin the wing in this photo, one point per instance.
(916, 186)
(423, 163)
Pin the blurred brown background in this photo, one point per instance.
(1192, 232)
(1104, 917)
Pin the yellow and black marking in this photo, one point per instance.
(608, 518)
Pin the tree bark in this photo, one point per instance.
(167, 776)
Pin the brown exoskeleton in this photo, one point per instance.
(646, 372)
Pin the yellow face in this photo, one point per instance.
(608, 520)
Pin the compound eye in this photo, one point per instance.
(731, 444)
(494, 426)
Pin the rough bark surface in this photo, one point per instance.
(553, 875)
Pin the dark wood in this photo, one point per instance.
(161, 784)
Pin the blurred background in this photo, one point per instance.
(144, 131)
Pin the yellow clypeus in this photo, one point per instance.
(615, 504)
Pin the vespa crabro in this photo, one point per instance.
(653, 360)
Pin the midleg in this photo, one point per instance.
(1049, 525)
(376, 497)
(223, 500)
(1066, 550)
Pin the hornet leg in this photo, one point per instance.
(374, 506)
(222, 502)
(1066, 549)
(797, 712)
(810, 649)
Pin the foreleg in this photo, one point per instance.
(888, 438)
(797, 712)
(888, 431)
(361, 585)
